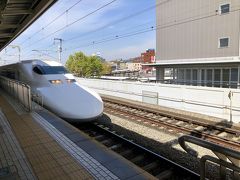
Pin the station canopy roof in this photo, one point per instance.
(17, 15)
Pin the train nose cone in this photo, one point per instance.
(73, 101)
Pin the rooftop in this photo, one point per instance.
(17, 15)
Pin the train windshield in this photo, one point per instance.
(50, 70)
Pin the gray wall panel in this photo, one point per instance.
(190, 29)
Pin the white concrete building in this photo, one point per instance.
(131, 66)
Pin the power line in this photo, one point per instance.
(51, 22)
(140, 25)
(120, 20)
(145, 31)
(48, 55)
(107, 25)
(113, 34)
(116, 37)
(162, 26)
(68, 25)
(192, 20)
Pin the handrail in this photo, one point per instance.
(206, 144)
(38, 99)
(19, 90)
(225, 153)
(206, 158)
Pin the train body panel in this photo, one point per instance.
(60, 92)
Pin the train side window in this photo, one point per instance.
(37, 70)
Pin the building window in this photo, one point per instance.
(223, 42)
(225, 8)
(225, 78)
(180, 76)
(209, 77)
(188, 76)
(195, 77)
(234, 78)
(217, 77)
(203, 78)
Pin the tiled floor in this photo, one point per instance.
(49, 148)
(46, 157)
(12, 159)
(93, 166)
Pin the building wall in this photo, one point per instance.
(191, 28)
(147, 56)
(205, 100)
(134, 66)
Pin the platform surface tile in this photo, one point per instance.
(44, 158)
(40, 145)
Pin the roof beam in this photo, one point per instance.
(2, 40)
(7, 26)
(3, 4)
(40, 7)
(18, 1)
(4, 35)
(15, 12)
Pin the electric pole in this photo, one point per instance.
(59, 48)
(19, 50)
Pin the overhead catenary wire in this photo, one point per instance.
(113, 34)
(52, 21)
(128, 17)
(119, 20)
(115, 37)
(109, 24)
(185, 20)
(46, 54)
(70, 24)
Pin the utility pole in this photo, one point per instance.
(230, 96)
(19, 50)
(59, 48)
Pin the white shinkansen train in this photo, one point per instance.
(60, 92)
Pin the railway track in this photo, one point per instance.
(220, 134)
(149, 161)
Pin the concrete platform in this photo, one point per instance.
(39, 145)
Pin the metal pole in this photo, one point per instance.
(230, 95)
(19, 51)
(59, 48)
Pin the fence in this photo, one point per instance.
(227, 158)
(210, 101)
(19, 90)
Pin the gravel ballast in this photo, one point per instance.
(161, 141)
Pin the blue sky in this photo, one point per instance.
(96, 33)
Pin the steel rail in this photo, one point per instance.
(178, 128)
(185, 118)
(161, 164)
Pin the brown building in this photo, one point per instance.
(148, 56)
(136, 59)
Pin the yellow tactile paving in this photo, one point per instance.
(47, 158)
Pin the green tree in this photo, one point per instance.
(84, 66)
(107, 69)
(75, 63)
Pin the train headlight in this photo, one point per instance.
(57, 81)
(70, 80)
